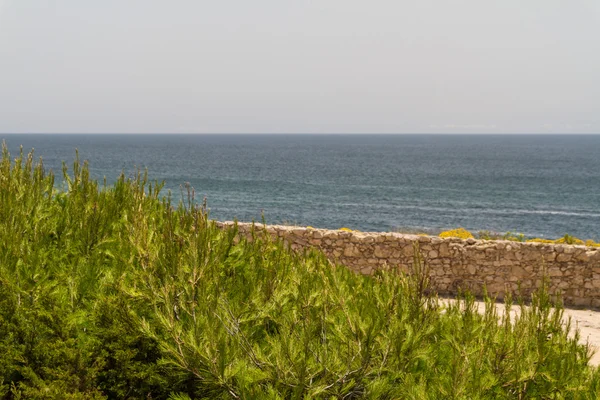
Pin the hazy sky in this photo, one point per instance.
(295, 66)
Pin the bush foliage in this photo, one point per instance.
(113, 293)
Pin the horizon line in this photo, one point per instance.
(304, 133)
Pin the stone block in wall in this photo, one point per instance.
(331, 234)
(382, 252)
(563, 257)
(444, 250)
(351, 251)
(518, 271)
(408, 250)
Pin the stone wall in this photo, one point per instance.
(500, 266)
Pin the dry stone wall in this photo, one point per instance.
(454, 264)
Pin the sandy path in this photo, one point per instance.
(587, 321)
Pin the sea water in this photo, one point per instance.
(538, 185)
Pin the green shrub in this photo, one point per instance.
(514, 237)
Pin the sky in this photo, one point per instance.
(273, 66)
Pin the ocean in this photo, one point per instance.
(539, 185)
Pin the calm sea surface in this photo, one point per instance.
(538, 185)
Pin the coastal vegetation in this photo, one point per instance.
(113, 292)
(462, 233)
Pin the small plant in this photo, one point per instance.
(514, 237)
(488, 235)
(346, 229)
(460, 233)
(568, 239)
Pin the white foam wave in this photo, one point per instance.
(559, 212)
(477, 208)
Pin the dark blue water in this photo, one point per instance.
(534, 184)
